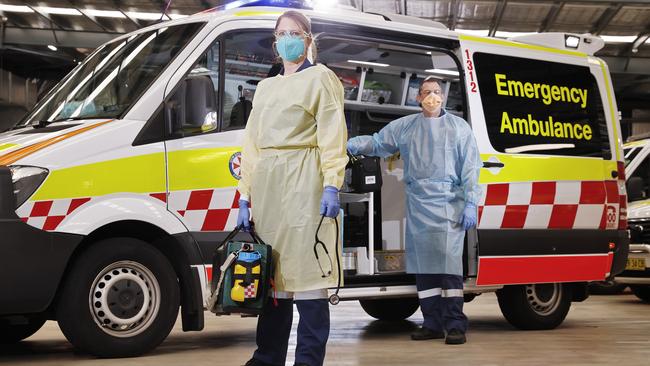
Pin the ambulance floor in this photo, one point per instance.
(604, 330)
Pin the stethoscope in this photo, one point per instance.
(334, 299)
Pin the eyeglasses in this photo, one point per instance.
(428, 92)
(293, 33)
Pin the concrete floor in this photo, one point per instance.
(604, 330)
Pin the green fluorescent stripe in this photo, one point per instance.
(138, 174)
(7, 146)
(201, 168)
(502, 42)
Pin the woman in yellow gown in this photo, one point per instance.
(293, 163)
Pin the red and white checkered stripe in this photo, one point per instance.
(206, 210)
(47, 215)
(550, 205)
(250, 292)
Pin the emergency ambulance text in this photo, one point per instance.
(550, 128)
(546, 92)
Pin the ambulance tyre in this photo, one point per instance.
(12, 333)
(120, 299)
(535, 307)
(642, 292)
(390, 309)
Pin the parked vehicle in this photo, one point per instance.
(637, 170)
(116, 188)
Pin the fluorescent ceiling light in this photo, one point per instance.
(475, 32)
(368, 63)
(442, 72)
(618, 39)
(526, 148)
(500, 34)
(16, 8)
(51, 47)
(57, 11)
(146, 16)
(103, 13)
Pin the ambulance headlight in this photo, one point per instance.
(26, 181)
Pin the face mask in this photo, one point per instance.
(290, 48)
(432, 103)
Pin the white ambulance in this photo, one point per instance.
(116, 188)
(637, 169)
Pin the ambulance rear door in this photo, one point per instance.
(547, 213)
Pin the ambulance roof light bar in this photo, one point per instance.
(586, 43)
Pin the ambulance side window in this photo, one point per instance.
(541, 107)
(193, 106)
(248, 59)
(643, 171)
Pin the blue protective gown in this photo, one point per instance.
(441, 169)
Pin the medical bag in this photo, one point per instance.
(365, 174)
(241, 275)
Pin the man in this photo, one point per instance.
(441, 169)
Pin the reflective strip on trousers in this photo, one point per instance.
(440, 292)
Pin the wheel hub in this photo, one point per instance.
(544, 298)
(125, 298)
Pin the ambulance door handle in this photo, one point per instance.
(492, 164)
(614, 174)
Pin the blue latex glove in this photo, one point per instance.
(353, 146)
(329, 204)
(243, 219)
(469, 217)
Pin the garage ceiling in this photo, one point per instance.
(75, 27)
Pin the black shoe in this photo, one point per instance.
(425, 333)
(255, 362)
(455, 336)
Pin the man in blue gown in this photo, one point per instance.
(441, 170)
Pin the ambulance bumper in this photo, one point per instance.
(32, 261)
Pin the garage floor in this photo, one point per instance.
(604, 330)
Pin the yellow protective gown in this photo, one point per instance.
(294, 145)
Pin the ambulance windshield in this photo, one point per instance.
(110, 81)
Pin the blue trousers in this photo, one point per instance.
(274, 328)
(441, 301)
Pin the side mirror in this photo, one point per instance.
(635, 189)
(192, 108)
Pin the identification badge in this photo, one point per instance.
(371, 179)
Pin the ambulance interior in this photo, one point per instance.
(380, 82)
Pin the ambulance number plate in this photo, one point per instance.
(635, 264)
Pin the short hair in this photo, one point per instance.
(430, 79)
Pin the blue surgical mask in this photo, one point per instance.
(290, 48)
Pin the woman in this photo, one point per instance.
(293, 162)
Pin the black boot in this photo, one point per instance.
(256, 362)
(423, 333)
(455, 336)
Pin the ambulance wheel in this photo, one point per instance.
(390, 309)
(120, 299)
(535, 307)
(11, 332)
(642, 292)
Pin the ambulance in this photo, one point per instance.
(116, 188)
(637, 169)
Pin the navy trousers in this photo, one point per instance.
(274, 328)
(441, 301)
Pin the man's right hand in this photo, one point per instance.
(243, 219)
(353, 146)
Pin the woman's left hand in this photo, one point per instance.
(329, 203)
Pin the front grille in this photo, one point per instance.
(640, 231)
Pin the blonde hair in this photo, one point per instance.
(305, 24)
